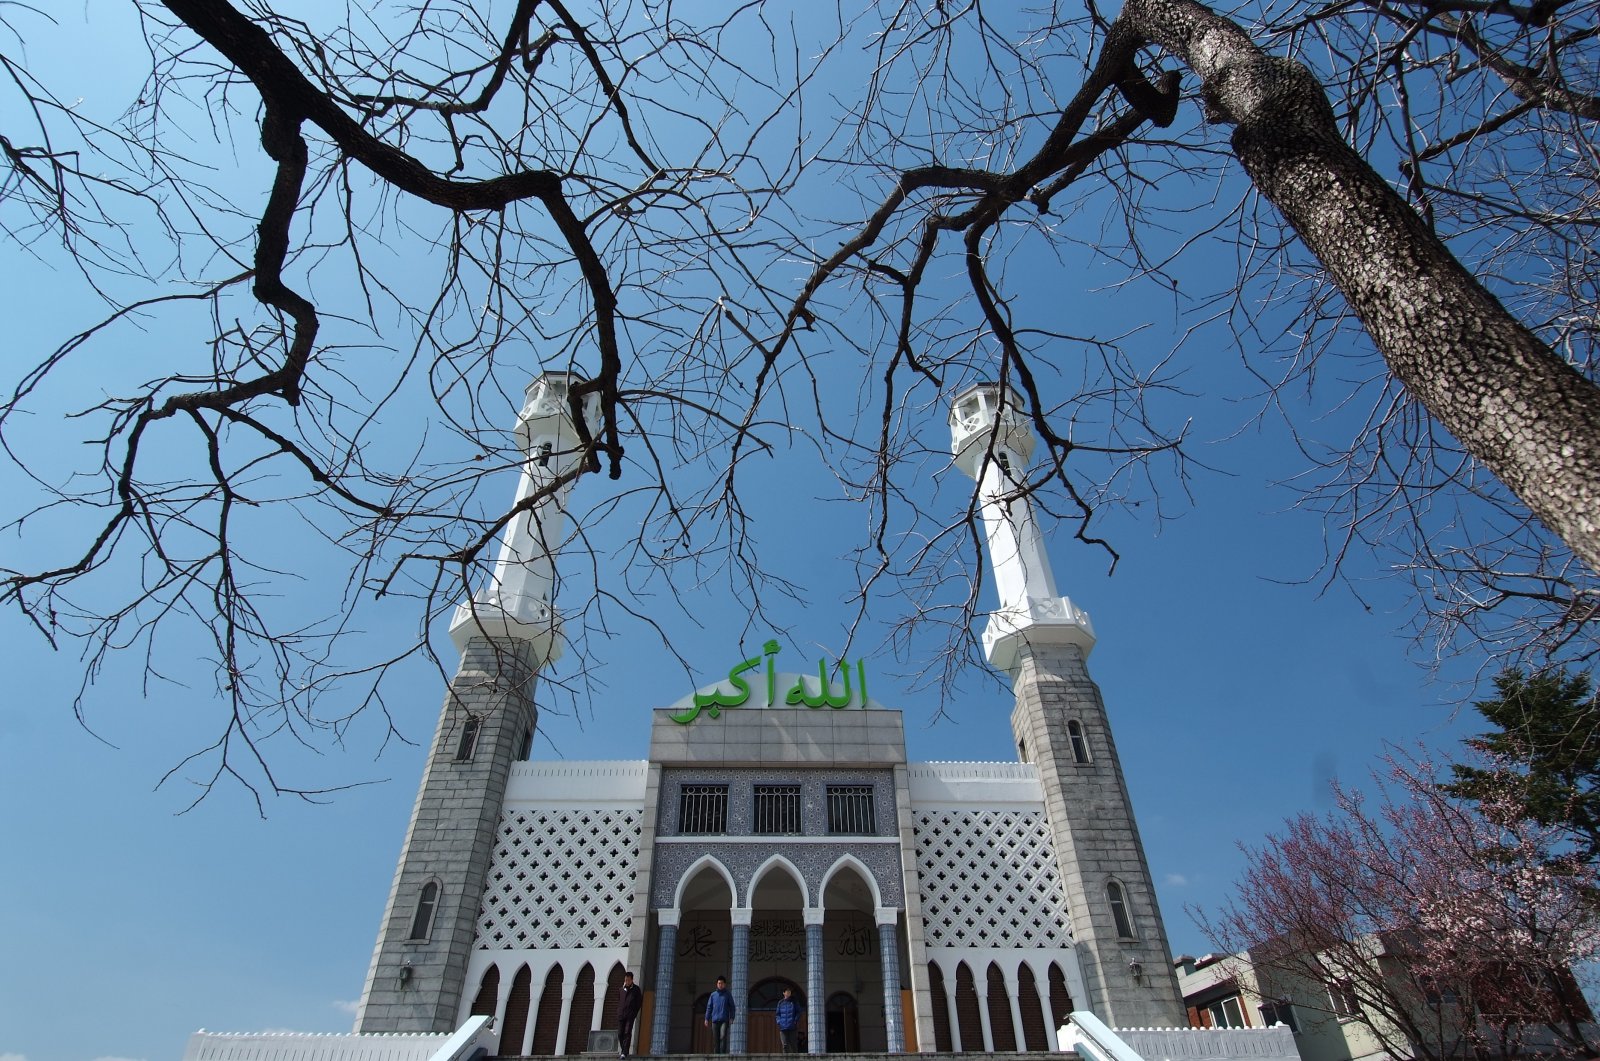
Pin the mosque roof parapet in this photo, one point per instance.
(974, 783)
(757, 736)
(590, 782)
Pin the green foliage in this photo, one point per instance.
(1544, 754)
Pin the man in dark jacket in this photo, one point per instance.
(627, 1013)
(787, 1016)
(719, 1014)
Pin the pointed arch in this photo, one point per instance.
(580, 1012)
(711, 862)
(998, 1000)
(515, 1024)
(488, 996)
(1060, 997)
(941, 1010)
(850, 862)
(968, 1019)
(1035, 1032)
(779, 864)
(608, 1009)
(547, 1022)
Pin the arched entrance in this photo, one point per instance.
(854, 1018)
(763, 1003)
(777, 949)
(844, 1024)
(703, 952)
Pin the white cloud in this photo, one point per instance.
(13, 1057)
(339, 1004)
(1175, 880)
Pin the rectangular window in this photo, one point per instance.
(1227, 1013)
(777, 809)
(1342, 996)
(703, 809)
(851, 811)
(1278, 1013)
(468, 746)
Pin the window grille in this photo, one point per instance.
(777, 809)
(703, 809)
(851, 810)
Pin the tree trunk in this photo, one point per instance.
(1517, 406)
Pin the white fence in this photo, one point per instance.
(291, 1046)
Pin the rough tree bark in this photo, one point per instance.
(1517, 406)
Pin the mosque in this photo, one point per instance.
(775, 833)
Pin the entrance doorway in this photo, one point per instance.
(843, 1024)
(762, 1030)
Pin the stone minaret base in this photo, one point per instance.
(1096, 838)
(416, 984)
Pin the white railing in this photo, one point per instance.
(1088, 1037)
(293, 1046)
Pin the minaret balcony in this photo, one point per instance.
(988, 419)
(1036, 621)
(545, 411)
(488, 614)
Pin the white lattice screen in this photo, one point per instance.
(989, 879)
(561, 879)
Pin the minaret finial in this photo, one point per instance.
(517, 602)
(990, 441)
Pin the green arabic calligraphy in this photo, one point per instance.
(824, 694)
(714, 702)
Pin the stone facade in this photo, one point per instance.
(1060, 724)
(418, 972)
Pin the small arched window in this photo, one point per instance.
(469, 740)
(1119, 910)
(545, 451)
(1080, 743)
(427, 902)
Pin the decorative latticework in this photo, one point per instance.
(561, 879)
(989, 879)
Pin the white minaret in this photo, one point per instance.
(992, 443)
(517, 601)
(507, 633)
(1041, 641)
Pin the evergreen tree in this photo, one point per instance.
(1545, 748)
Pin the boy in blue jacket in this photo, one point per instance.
(787, 1016)
(719, 1014)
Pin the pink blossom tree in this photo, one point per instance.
(1447, 928)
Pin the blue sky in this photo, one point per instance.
(1234, 700)
(1237, 691)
